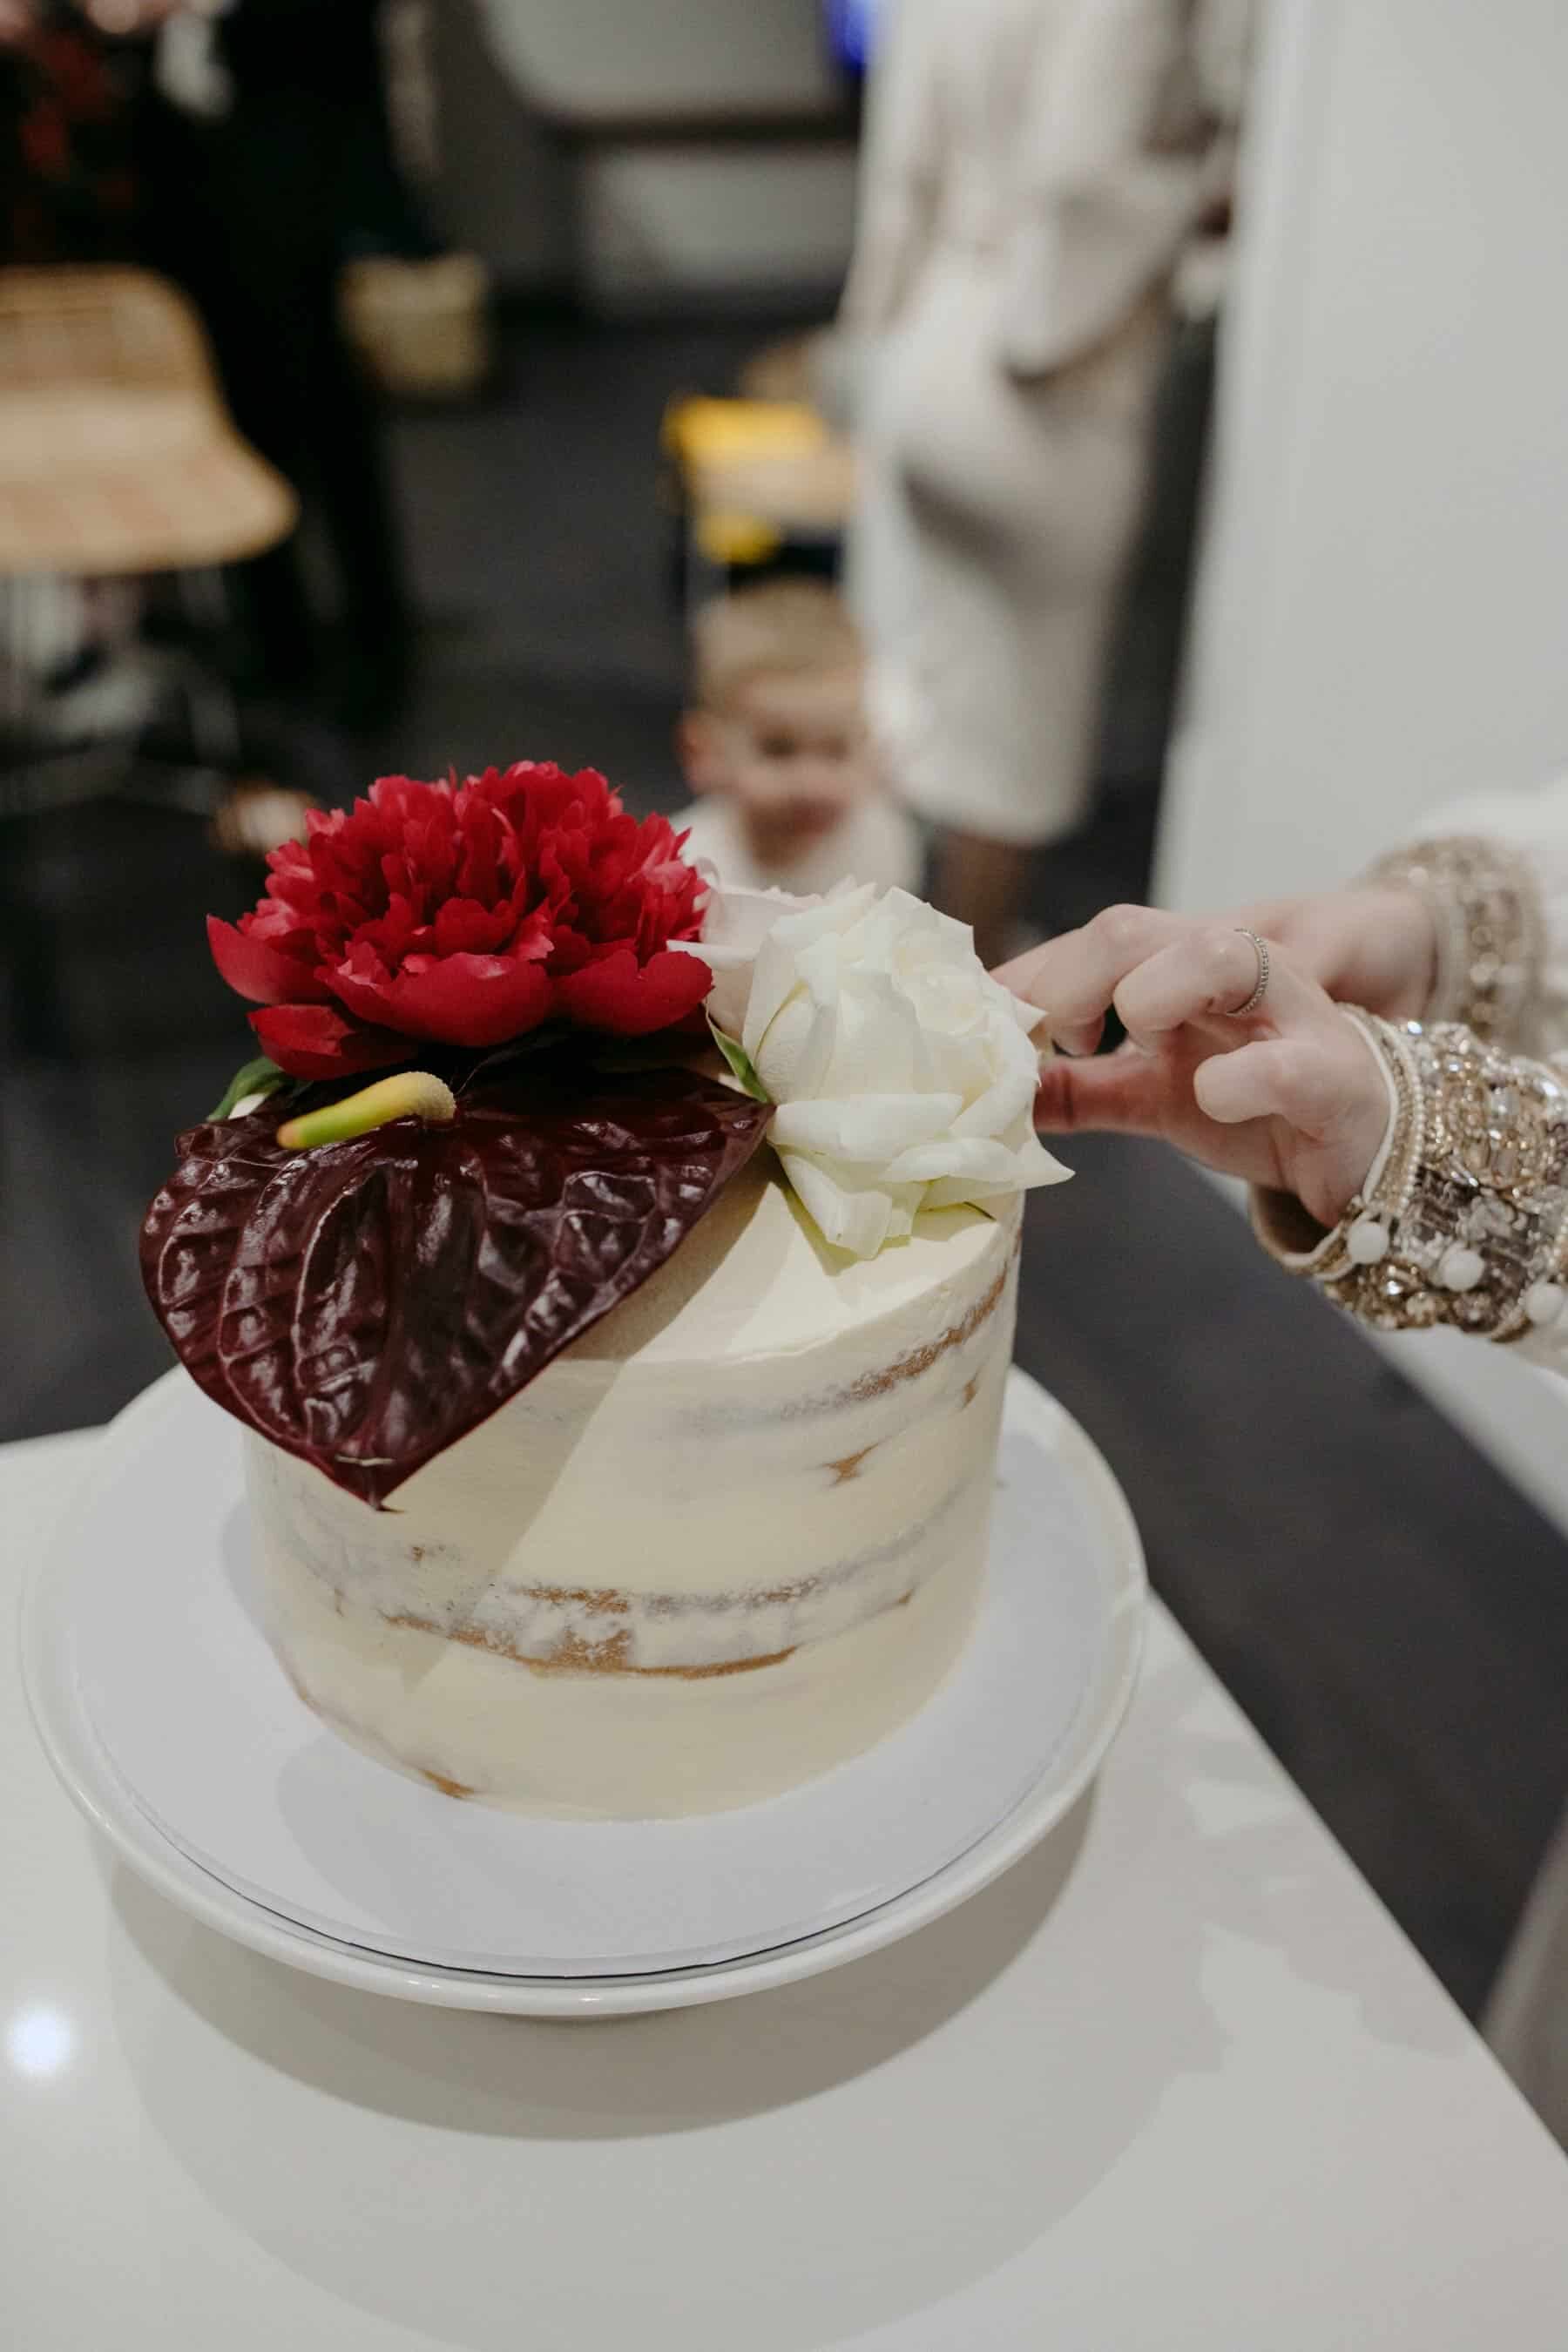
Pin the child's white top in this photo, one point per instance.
(877, 842)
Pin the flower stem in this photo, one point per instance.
(411, 1094)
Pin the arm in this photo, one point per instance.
(1121, 173)
(1420, 1176)
(1468, 924)
(900, 169)
(1494, 875)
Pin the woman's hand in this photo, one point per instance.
(1374, 948)
(1291, 1097)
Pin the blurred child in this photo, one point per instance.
(777, 745)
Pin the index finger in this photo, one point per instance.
(1073, 979)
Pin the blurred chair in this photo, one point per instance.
(757, 484)
(117, 456)
(421, 326)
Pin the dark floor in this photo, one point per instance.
(1389, 1612)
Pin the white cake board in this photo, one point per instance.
(143, 1629)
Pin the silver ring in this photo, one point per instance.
(1260, 949)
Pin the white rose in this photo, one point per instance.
(735, 922)
(903, 1074)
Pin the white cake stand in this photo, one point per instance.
(171, 1723)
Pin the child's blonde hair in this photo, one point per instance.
(781, 628)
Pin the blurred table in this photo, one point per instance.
(1176, 2082)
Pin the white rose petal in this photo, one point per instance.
(856, 1218)
(871, 1129)
(800, 1040)
(1007, 1098)
(736, 922)
(734, 925)
(904, 1075)
(787, 949)
(986, 1167)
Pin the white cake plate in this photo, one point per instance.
(169, 1721)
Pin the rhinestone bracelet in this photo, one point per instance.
(1465, 1219)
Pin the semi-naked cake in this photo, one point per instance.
(615, 1276)
(729, 1538)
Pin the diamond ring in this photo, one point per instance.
(1260, 949)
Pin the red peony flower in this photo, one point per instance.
(465, 914)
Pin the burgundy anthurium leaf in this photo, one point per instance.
(367, 1303)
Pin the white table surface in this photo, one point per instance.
(1176, 2082)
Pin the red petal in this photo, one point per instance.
(460, 1000)
(464, 928)
(631, 998)
(311, 1041)
(265, 974)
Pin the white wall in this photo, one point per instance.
(579, 58)
(645, 222)
(1383, 609)
(701, 220)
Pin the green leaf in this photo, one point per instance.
(740, 1061)
(257, 1077)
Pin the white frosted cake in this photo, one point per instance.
(728, 1538)
(622, 1364)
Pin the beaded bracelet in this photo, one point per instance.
(1464, 1219)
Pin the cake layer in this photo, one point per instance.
(699, 1459)
(765, 1454)
(476, 1724)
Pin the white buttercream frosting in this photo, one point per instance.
(770, 1453)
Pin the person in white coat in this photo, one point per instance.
(1032, 170)
(1387, 1066)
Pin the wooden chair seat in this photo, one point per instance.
(116, 451)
